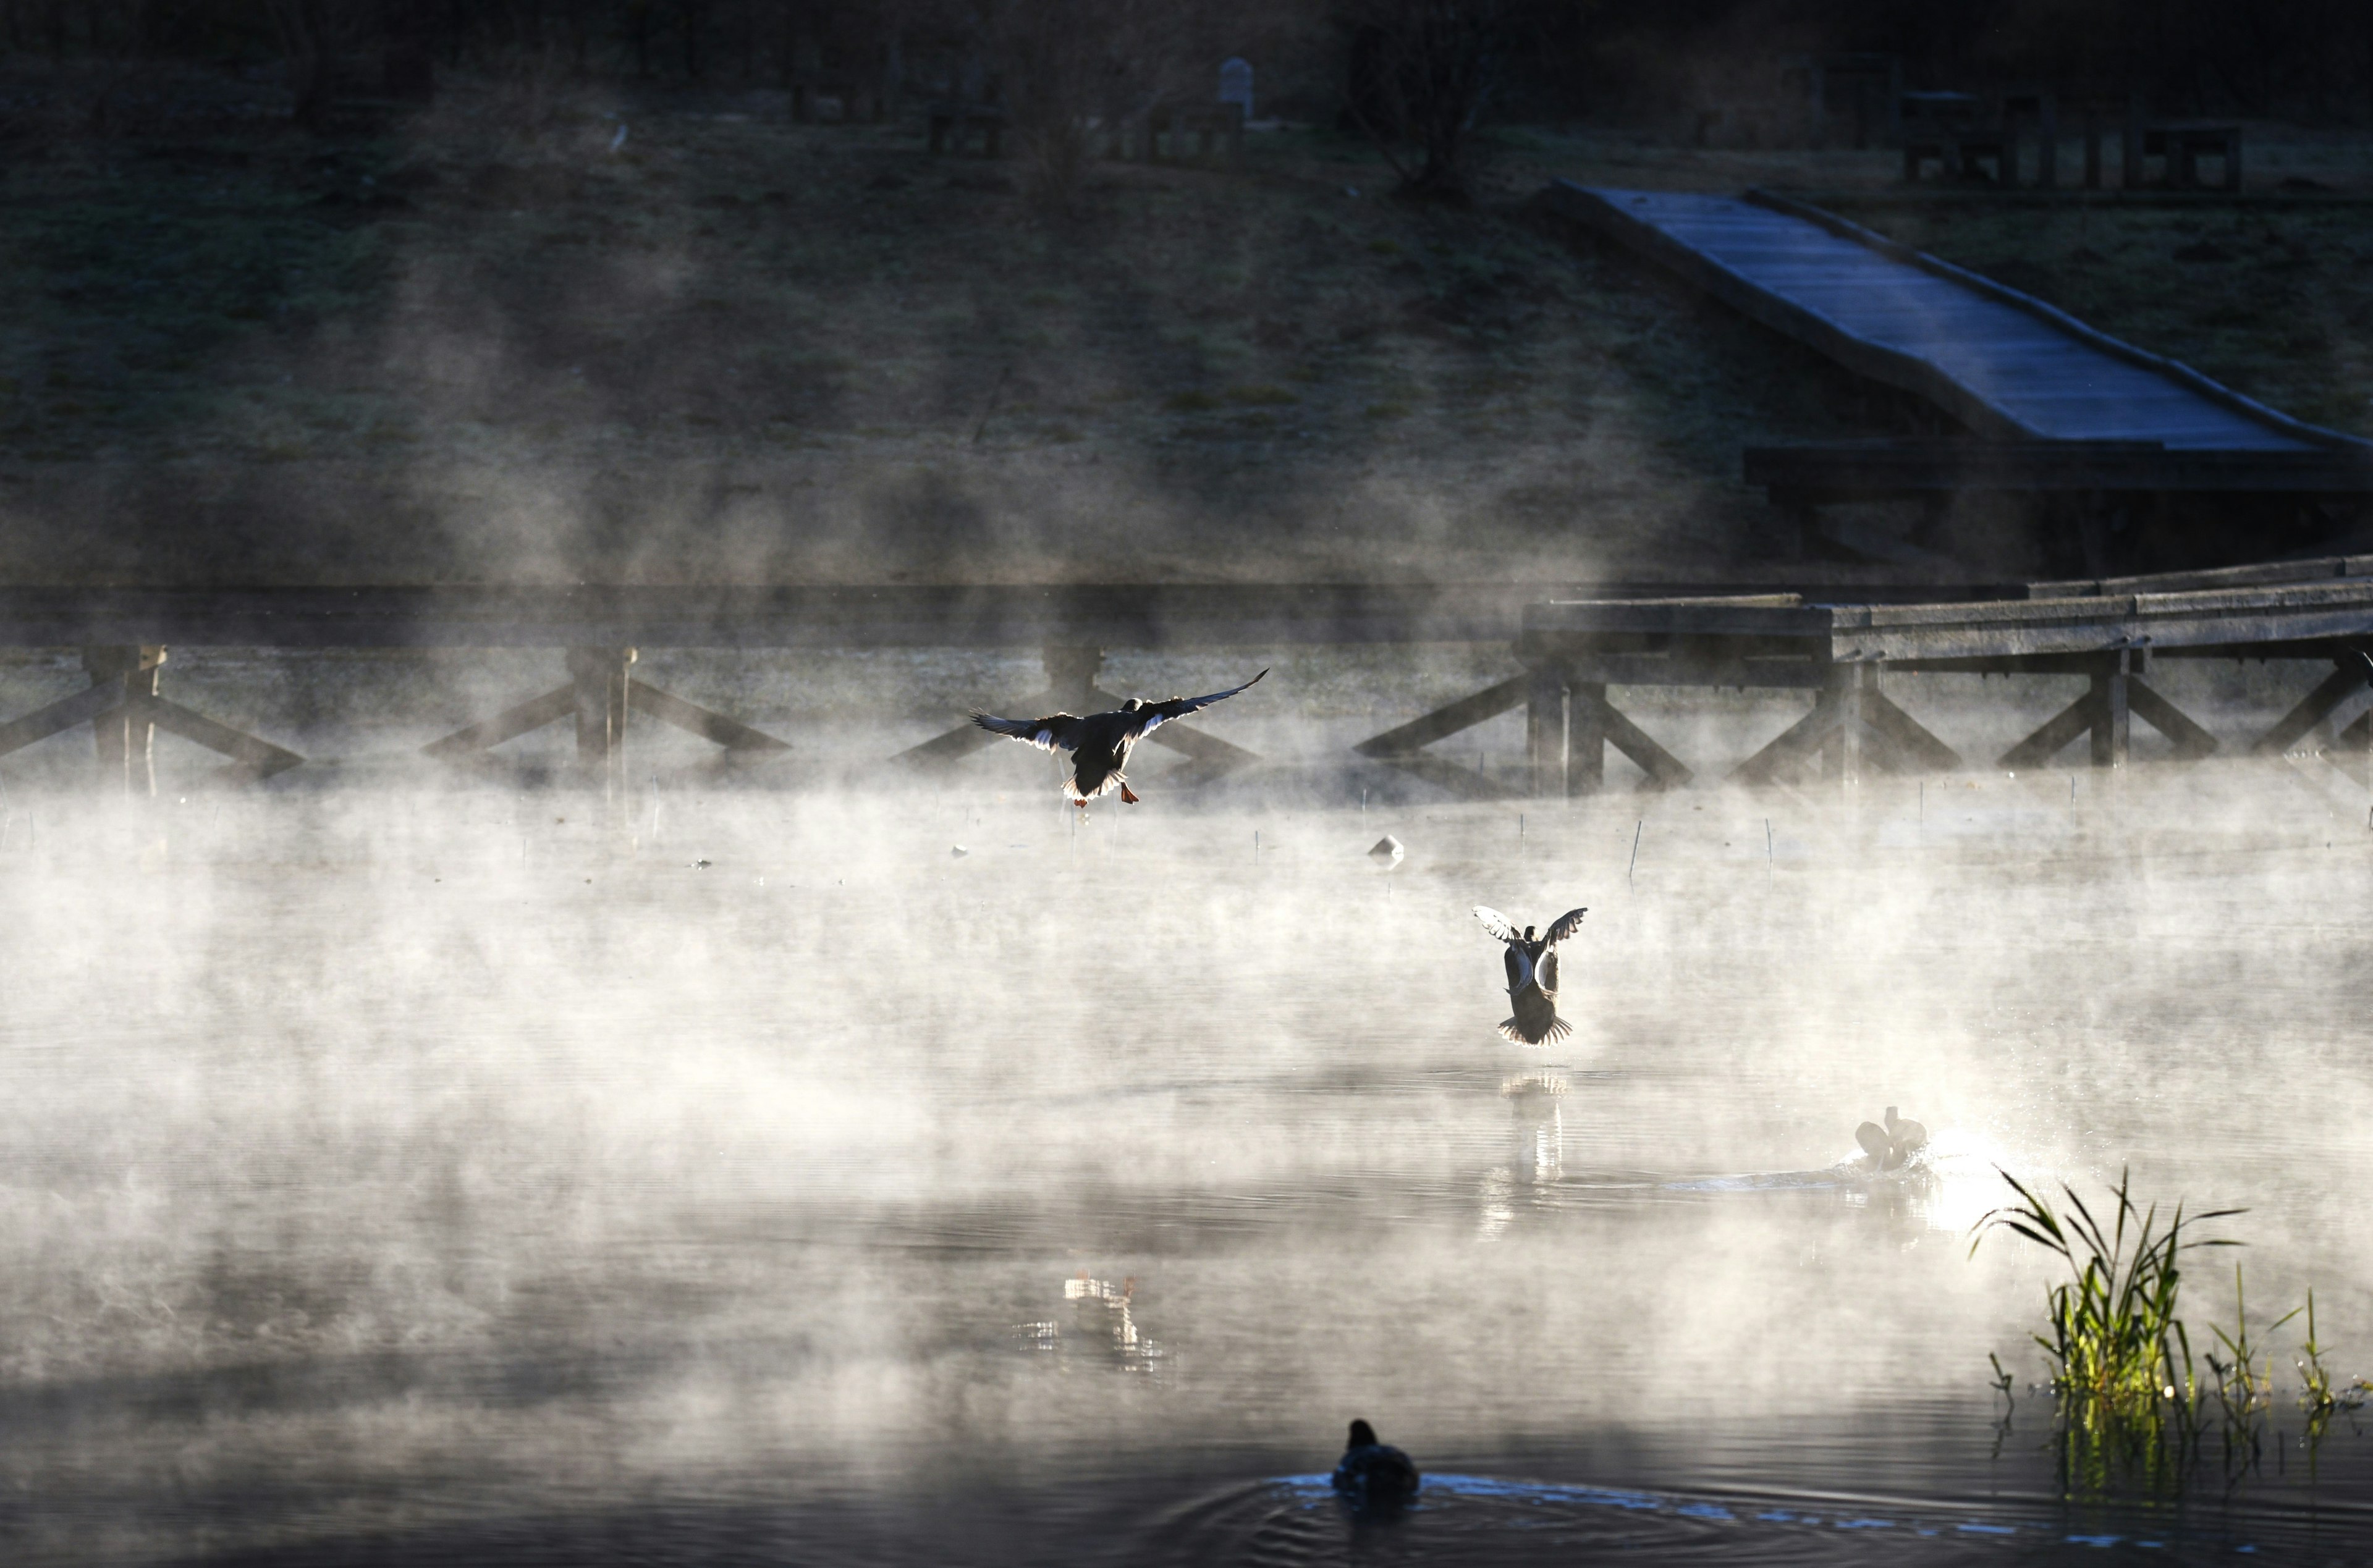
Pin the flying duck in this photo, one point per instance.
(1532, 975)
(1373, 1477)
(1099, 744)
(1891, 1147)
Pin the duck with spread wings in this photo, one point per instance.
(1532, 975)
(1099, 744)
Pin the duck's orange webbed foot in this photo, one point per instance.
(1126, 797)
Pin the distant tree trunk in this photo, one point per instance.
(311, 33)
(693, 17)
(638, 34)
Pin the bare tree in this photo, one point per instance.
(1423, 73)
(313, 34)
(1075, 71)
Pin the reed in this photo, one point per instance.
(2115, 1339)
(2240, 1388)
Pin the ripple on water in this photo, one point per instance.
(1296, 1522)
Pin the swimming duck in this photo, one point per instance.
(1373, 1477)
(1099, 744)
(1532, 975)
(1892, 1145)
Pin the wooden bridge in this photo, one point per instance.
(2055, 407)
(125, 632)
(1576, 648)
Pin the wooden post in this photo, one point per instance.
(1545, 730)
(1857, 679)
(1585, 744)
(2047, 146)
(1841, 752)
(599, 678)
(126, 733)
(2130, 158)
(1071, 678)
(2111, 713)
(2092, 147)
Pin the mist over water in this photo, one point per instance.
(400, 1165)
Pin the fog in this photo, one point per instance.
(416, 1162)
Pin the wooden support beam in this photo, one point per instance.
(1456, 777)
(82, 707)
(2055, 733)
(1792, 745)
(2111, 724)
(1467, 712)
(599, 696)
(2345, 681)
(2351, 750)
(1908, 735)
(599, 677)
(1545, 731)
(250, 758)
(1665, 771)
(509, 724)
(1585, 744)
(2191, 741)
(1843, 753)
(671, 709)
(125, 735)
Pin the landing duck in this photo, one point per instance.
(1373, 1477)
(1532, 975)
(1099, 744)
(1890, 1147)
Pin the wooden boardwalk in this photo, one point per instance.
(2004, 365)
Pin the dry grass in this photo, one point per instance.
(740, 346)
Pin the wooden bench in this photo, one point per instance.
(1220, 125)
(2183, 145)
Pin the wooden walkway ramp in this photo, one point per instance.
(2006, 366)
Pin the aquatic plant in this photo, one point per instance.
(2318, 1396)
(2240, 1388)
(2115, 1339)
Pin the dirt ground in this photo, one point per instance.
(687, 340)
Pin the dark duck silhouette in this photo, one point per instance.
(1532, 975)
(1373, 1477)
(1890, 1147)
(1099, 744)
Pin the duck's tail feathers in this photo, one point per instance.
(1559, 1028)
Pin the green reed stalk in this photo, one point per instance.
(2115, 1339)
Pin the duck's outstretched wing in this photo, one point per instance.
(1153, 715)
(1565, 926)
(1495, 922)
(1056, 732)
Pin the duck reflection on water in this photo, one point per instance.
(1536, 1147)
(1537, 1126)
(1103, 1325)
